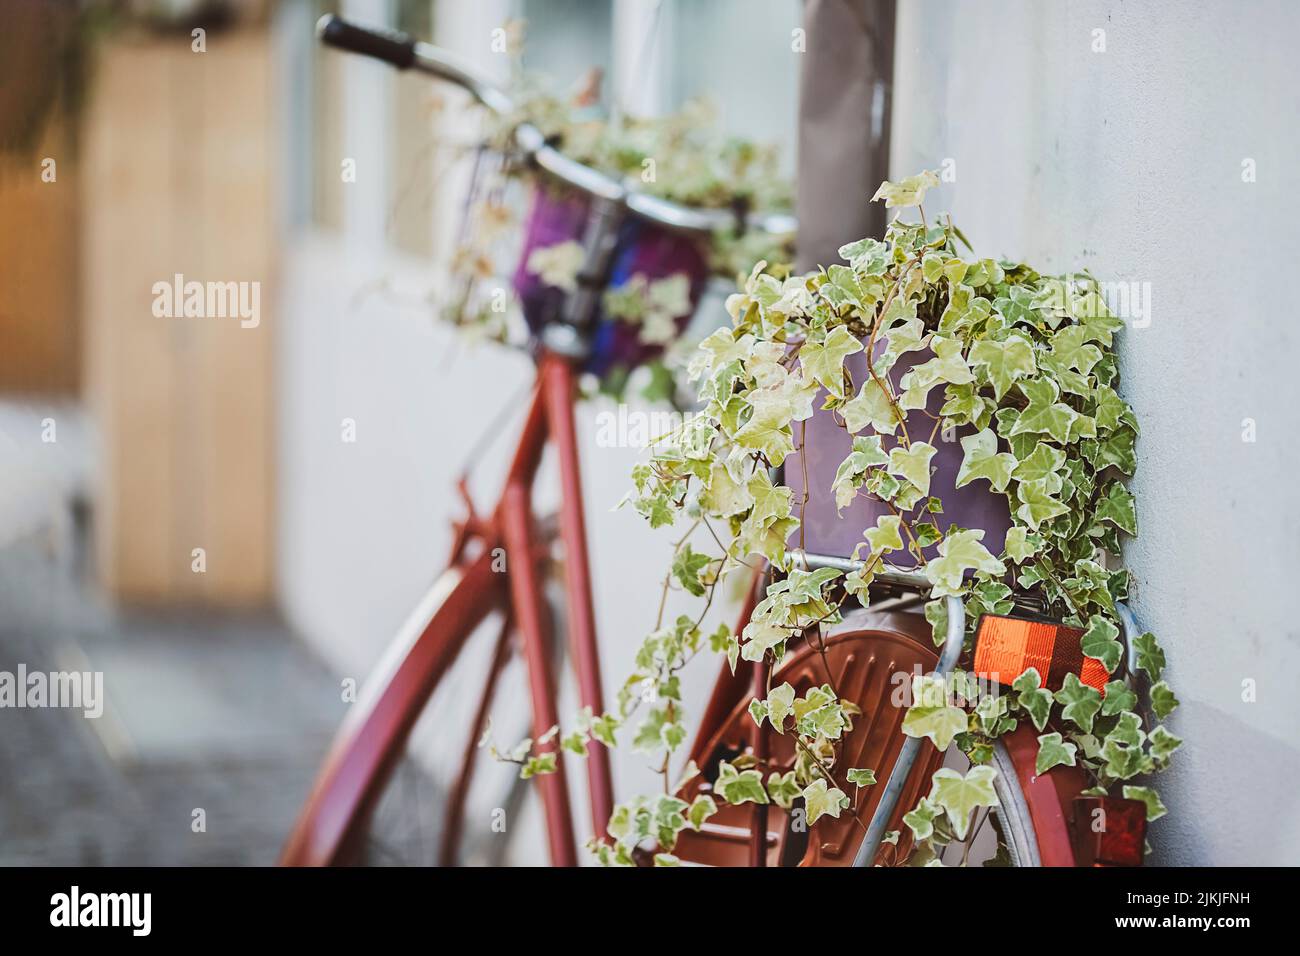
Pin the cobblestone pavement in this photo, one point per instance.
(229, 715)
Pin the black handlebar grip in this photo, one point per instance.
(391, 46)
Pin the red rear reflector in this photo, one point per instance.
(1006, 647)
(1109, 831)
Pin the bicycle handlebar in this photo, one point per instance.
(403, 52)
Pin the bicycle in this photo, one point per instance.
(1036, 813)
(332, 824)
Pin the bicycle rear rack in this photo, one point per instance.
(1009, 787)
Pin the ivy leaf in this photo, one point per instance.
(871, 407)
(666, 859)
(557, 265)
(575, 743)
(1155, 808)
(739, 786)
(824, 362)
(1111, 409)
(1163, 743)
(926, 533)
(906, 336)
(782, 788)
(1163, 701)
(1127, 730)
(1021, 545)
(948, 365)
(1098, 641)
(768, 431)
(770, 501)
(1019, 307)
(861, 777)
(885, 536)
(960, 795)
(1033, 697)
(1052, 752)
(702, 807)
(760, 637)
(921, 819)
(866, 453)
(992, 597)
(648, 733)
(983, 460)
(820, 800)
(1005, 362)
(1118, 450)
(686, 568)
(960, 552)
(1118, 699)
(965, 310)
(1037, 504)
(936, 612)
(780, 701)
(1124, 763)
(1070, 350)
(724, 495)
(931, 715)
(906, 192)
(1150, 656)
(826, 721)
(1080, 701)
(538, 765)
(865, 255)
(1042, 462)
(913, 464)
(1117, 507)
(1044, 414)
(965, 406)
(602, 728)
(722, 348)
(1097, 319)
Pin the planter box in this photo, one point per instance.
(827, 531)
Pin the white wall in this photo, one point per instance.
(1128, 162)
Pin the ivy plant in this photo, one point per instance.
(1026, 368)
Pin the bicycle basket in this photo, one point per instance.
(647, 260)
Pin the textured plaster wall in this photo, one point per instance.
(1129, 162)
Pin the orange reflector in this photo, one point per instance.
(1006, 647)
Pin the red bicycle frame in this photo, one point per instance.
(333, 823)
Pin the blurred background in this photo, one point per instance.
(181, 509)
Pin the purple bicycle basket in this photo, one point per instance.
(559, 216)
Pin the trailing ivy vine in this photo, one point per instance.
(1026, 366)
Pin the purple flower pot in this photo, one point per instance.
(828, 531)
(560, 216)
